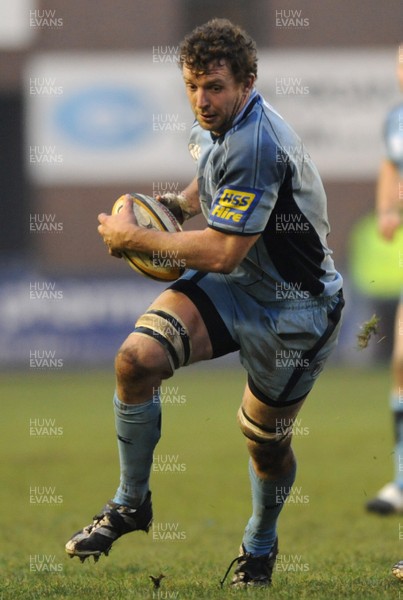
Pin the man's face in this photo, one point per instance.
(215, 96)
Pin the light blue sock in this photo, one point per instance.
(397, 408)
(138, 428)
(268, 499)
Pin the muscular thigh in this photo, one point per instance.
(180, 306)
(169, 334)
(171, 317)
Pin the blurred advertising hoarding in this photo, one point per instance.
(104, 118)
(68, 321)
(107, 117)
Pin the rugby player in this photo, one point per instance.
(261, 281)
(389, 205)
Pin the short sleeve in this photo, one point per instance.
(248, 188)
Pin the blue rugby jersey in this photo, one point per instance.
(393, 137)
(258, 178)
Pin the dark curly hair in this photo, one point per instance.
(218, 40)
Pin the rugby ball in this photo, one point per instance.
(151, 214)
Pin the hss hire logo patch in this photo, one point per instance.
(233, 206)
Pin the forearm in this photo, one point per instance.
(205, 250)
(201, 249)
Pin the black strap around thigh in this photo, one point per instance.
(221, 340)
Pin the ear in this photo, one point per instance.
(249, 83)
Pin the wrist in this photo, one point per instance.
(185, 206)
(178, 204)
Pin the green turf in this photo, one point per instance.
(330, 547)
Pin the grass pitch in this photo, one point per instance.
(59, 466)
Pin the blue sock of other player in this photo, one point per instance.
(268, 499)
(397, 408)
(138, 428)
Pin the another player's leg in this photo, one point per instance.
(169, 335)
(390, 498)
(272, 469)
